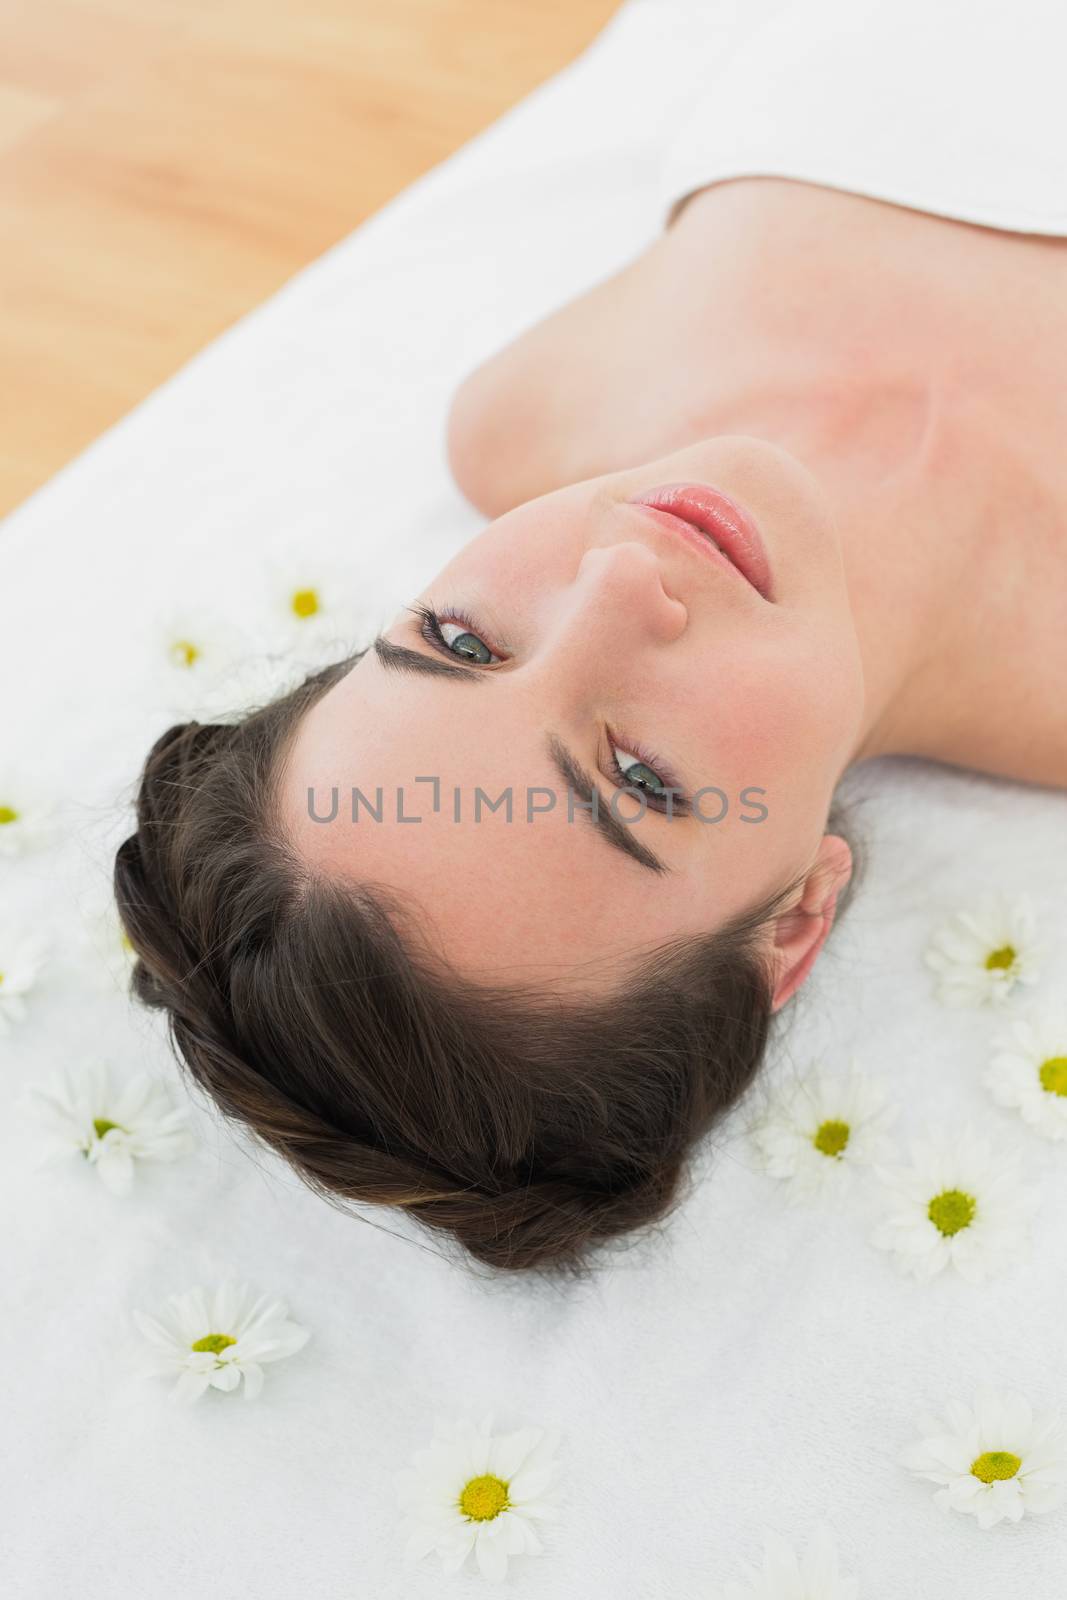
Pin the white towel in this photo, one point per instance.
(950, 107)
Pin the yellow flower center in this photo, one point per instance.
(102, 1126)
(184, 653)
(952, 1210)
(831, 1138)
(305, 602)
(1, 977)
(995, 1465)
(1053, 1075)
(1000, 960)
(8, 814)
(484, 1498)
(214, 1342)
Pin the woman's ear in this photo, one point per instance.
(800, 932)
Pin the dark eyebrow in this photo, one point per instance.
(603, 819)
(398, 658)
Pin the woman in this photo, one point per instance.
(784, 494)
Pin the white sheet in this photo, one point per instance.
(759, 1364)
(953, 108)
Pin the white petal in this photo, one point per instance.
(189, 1387)
(226, 1377)
(492, 1556)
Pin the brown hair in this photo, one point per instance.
(527, 1128)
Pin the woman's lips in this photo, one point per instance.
(726, 532)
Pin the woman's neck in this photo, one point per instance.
(889, 459)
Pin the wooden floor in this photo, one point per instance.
(166, 164)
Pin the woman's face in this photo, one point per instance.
(577, 631)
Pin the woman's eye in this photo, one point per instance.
(638, 774)
(455, 637)
(461, 642)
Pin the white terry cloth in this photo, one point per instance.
(942, 105)
(755, 1364)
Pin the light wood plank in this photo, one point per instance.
(167, 164)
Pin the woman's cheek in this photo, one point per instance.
(779, 714)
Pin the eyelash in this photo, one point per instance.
(430, 629)
(679, 803)
(431, 626)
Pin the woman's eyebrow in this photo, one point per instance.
(599, 810)
(398, 658)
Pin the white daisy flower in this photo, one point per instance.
(815, 1132)
(113, 1125)
(995, 1460)
(316, 606)
(199, 653)
(108, 942)
(21, 958)
(470, 1490)
(217, 1338)
(960, 1204)
(196, 642)
(785, 1576)
(1028, 1070)
(26, 817)
(980, 955)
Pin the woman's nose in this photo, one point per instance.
(622, 583)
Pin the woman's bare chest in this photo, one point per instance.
(842, 284)
(770, 297)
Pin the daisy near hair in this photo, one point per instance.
(313, 605)
(197, 644)
(25, 816)
(113, 1124)
(22, 956)
(216, 1338)
(815, 1132)
(786, 1576)
(961, 1204)
(471, 1490)
(194, 651)
(980, 955)
(108, 947)
(995, 1460)
(1028, 1072)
